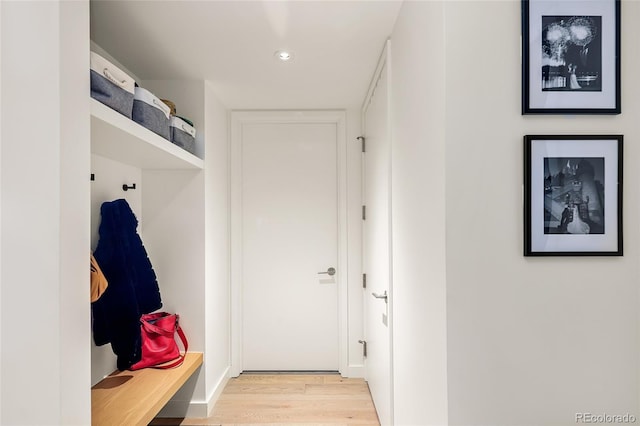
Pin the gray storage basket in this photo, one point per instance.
(151, 112)
(183, 134)
(111, 86)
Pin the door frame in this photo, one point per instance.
(238, 120)
(384, 62)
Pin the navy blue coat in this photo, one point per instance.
(133, 287)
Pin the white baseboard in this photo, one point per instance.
(180, 409)
(217, 390)
(196, 409)
(355, 371)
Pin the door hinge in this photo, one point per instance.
(361, 138)
(364, 212)
(364, 347)
(364, 280)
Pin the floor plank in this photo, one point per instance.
(337, 389)
(281, 379)
(286, 399)
(260, 389)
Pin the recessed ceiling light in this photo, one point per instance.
(283, 55)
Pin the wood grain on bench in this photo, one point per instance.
(136, 397)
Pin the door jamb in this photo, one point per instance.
(383, 62)
(238, 120)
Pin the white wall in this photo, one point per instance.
(418, 209)
(206, 302)
(109, 176)
(45, 220)
(217, 262)
(0, 210)
(355, 330)
(529, 341)
(173, 233)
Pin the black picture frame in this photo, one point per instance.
(573, 195)
(571, 57)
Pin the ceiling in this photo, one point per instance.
(336, 45)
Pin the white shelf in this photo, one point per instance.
(117, 137)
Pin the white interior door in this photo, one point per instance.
(289, 236)
(377, 245)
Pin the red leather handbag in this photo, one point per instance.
(158, 341)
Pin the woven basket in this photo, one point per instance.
(170, 105)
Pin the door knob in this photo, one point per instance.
(331, 272)
(381, 296)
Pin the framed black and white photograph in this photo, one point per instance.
(573, 195)
(571, 57)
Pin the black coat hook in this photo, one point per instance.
(125, 187)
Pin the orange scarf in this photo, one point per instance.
(98, 281)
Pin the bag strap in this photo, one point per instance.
(156, 329)
(180, 360)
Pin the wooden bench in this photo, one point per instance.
(135, 397)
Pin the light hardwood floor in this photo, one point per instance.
(279, 399)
